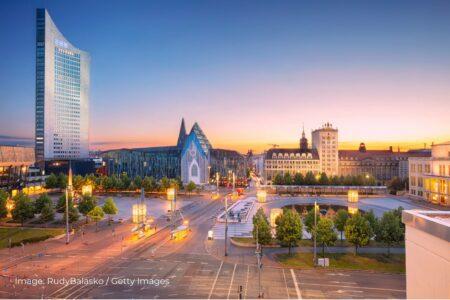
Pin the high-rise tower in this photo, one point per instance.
(62, 94)
(303, 142)
(325, 141)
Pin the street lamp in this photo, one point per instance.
(68, 191)
(171, 196)
(9, 207)
(209, 174)
(315, 232)
(226, 224)
(261, 195)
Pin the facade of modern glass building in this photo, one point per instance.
(62, 95)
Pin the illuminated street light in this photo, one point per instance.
(9, 207)
(261, 195)
(86, 190)
(352, 196)
(171, 196)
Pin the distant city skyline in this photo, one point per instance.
(250, 73)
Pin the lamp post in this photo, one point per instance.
(226, 224)
(171, 196)
(217, 181)
(258, 254)
(209, 174)
(315, 233)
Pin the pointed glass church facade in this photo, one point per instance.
(191, 159)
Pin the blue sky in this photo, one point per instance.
(250, 72)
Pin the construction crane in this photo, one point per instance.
(274, 145)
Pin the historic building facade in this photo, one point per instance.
(324, 156)
(62, 95)
(429, 177)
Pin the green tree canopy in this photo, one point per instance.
(298, 179)
(340, 219)
(61, 205)
(357, 231)
(262, 227)
(278, 180)
(138, 181)
(149, 184)
(373, 222)
(86, 204)
(96, 214)
(47, 213)
(78, 182)
(109, 207)
(23, 208)
(51, 181)
(289, 228)
(389, 230)
(40, 202)
(310, 179)
(323, 179)
(309, 220)
(3, 198)
(62, 180)
(325, 234)
(165, 183)
(287, 178)
(73, 213)
(190, 187)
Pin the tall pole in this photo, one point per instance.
(315, 233)
(234, 182)
(217, 181)
(68, 189)
(226, 224)
(258, 257)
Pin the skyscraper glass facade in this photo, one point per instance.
(62, 94)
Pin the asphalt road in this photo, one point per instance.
(157, 267)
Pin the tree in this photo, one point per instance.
(357, 231)
(132, 186)
(78, 182)
(47, 213)
(138, 181)
(165, 183)
(110, 208)
(261, 228)
(309, 220)
(96, 214)
(73, 213)
(298, 179)
(149, 184)
(325, 234)
(62, 181)
(323, 179)
(334, 180)
(190, 187)
(287, 178)
(125, 181)
(278, 180)
(51, 181)
(310, 179)
(398, 213)
(61, 205)
(389, 231)
(86, 204)
(340, 220)
(23, 208)
(396, 184)
(289, 228)
(3, 199)
(40, 202)
(373, 222)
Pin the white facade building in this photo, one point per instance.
(62, 94)
(325, 142)
(429, 177)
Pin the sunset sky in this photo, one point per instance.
(249, 72)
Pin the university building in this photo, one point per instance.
(62, 95)
(192, 159)
(429, 177)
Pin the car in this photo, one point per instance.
(120, 220)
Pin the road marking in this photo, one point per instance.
(297, 290)
(285, 283)
(231, 282)
(246, 282)
(352, 287)
(215, 280)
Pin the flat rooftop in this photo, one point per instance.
(434, 222)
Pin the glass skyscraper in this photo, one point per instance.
(62, 94)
